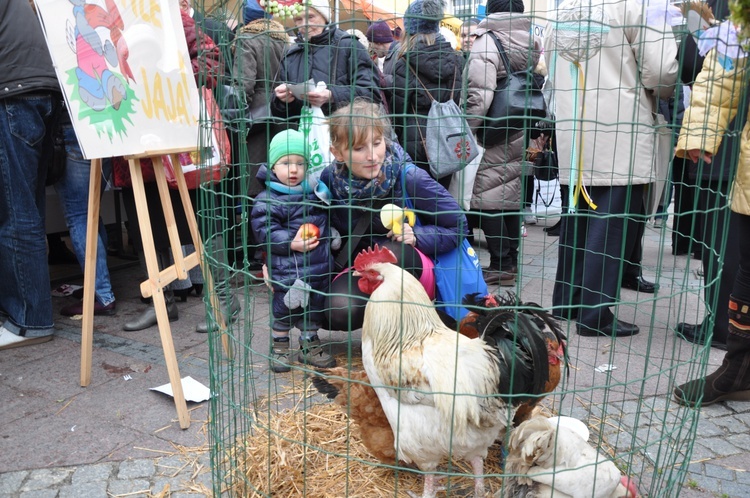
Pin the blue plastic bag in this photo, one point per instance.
(457, 272)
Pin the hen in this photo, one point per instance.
(352, 391)
(444, 394)
(481, 316)
(546, 460)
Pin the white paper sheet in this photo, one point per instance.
(194, 391)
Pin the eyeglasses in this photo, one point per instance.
(284, 164)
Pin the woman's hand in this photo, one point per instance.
(283, 93)
(696, 154)
(407, 237)
(303, 245)
(317, 98)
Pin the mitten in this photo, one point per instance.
(335, 239)
(298, 295)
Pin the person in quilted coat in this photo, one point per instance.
(718, 93)
(284, 219)
(496, 200)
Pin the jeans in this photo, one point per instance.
(73, 190)
(25, 297)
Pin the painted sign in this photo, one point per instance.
(124, 68)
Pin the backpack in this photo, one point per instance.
(449, 143)
(457, 272)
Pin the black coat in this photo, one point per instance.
(25, 63)
(276, 217)
(439, 69)
(334, 56)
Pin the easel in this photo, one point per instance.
(153, 287)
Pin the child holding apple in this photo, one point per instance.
(290, 221)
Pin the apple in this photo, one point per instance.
(308, 231)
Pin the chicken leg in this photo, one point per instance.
(477, 465)
(430, 488)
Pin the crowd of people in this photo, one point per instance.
(377, 92)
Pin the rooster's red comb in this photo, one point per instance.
(370, 256)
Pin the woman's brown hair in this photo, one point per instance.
(350, 124)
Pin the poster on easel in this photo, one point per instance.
(124, 69)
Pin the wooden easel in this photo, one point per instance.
(153, 287)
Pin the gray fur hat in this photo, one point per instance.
(423, 16)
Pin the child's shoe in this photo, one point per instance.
(281, 355)
(311, 353)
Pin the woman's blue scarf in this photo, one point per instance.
(347, 188)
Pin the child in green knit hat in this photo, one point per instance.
(291, 222)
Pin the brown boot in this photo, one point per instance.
(731, 382)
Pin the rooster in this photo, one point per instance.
(483, 310)
(444, 394)
(360, 401)
(546, 460)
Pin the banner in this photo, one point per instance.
(124, 69)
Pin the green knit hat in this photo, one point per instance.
(286, 143)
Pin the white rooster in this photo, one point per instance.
(443, 393)
(555, 461)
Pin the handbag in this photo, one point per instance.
(457, 272)
(546, 167)
(449, 143)
(236, 112)
(314, 125)
(518, 102)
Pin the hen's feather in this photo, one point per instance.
(555, 461)
(351, 391)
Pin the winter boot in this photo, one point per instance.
(311, 353)
(281, 355)
(731, 382)
(148, 318)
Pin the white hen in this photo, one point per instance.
(556, 462)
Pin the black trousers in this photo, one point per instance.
(741, 289)
(716, 215)
(502, 230)
(592, 246)
(685, 218)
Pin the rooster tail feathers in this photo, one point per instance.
(522, 351)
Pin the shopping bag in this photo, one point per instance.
(314, 125)
(208, 164)
(462, 182)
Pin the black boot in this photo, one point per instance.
(731, 382)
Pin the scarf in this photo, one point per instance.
(349, 189)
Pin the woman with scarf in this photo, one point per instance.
(371, 171)
(328, 54)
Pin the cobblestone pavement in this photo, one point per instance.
(720, 465)
(175, 476)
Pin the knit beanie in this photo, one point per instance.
(252, 11)
(504, 6)
(379, 32)
(423, 16)
(286, 143)
(322, 7)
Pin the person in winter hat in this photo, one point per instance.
(380, 37)
(423, 16)
(252, 11)
(284, 219)
(324, 54)
(494, 6)
(426, 67)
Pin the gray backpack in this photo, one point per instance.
(449, 143)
